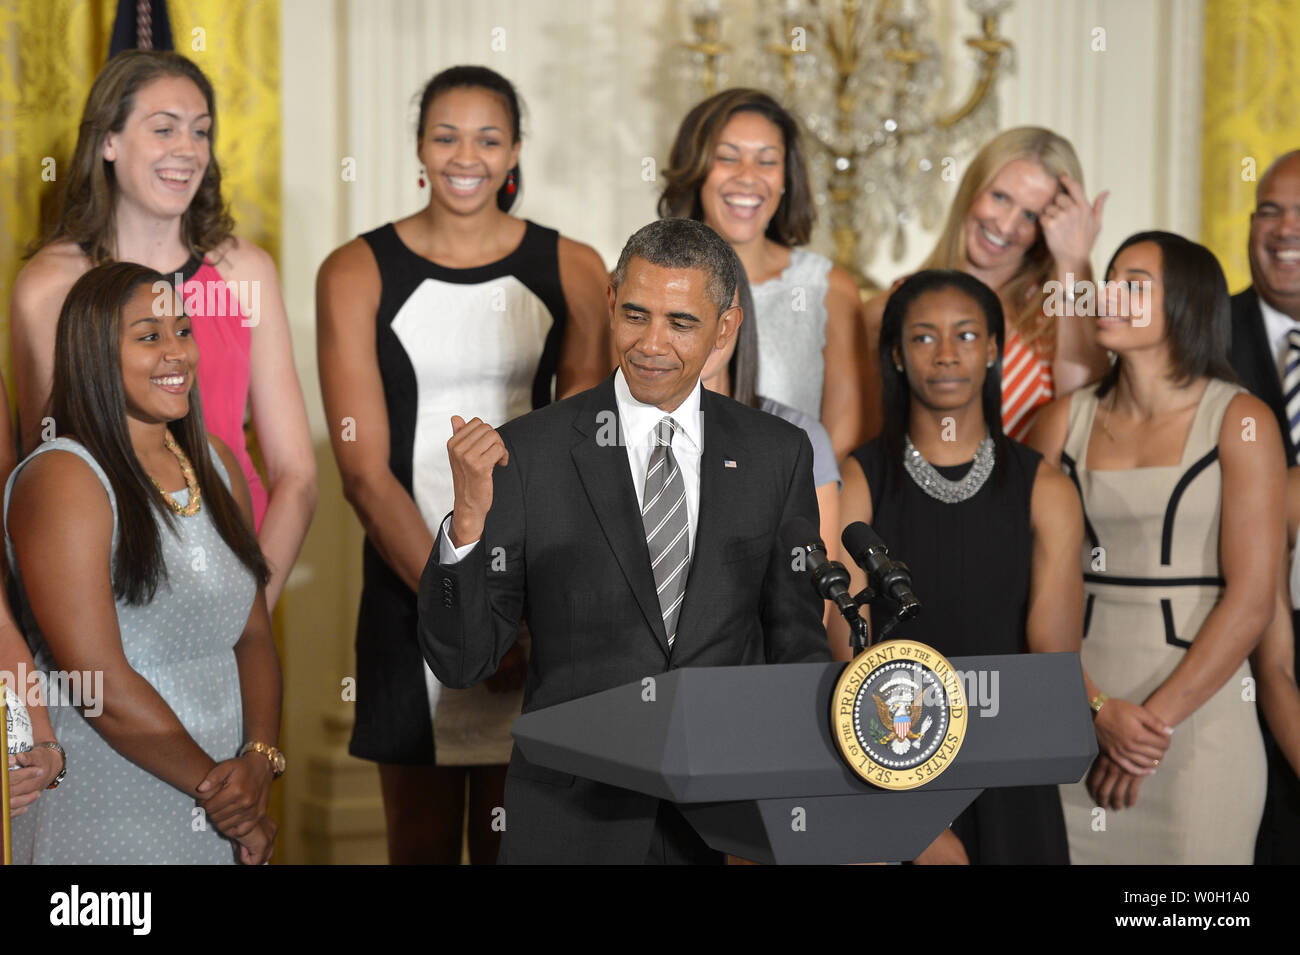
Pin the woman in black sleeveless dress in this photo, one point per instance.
(990, 533)
(461, 309)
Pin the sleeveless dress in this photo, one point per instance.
(1147, 593)
(970, 565)
(224, 343)
(1027, 386)
(479, 342)
(108, 810)
(791, 312)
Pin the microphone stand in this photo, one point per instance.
(859, 633)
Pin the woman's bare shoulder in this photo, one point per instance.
(59, 478)
(50, 273)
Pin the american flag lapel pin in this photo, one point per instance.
(728, 463)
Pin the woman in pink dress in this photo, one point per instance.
(144, 186)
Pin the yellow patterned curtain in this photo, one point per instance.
(237, 44)
(1251, 116)
(52, 50)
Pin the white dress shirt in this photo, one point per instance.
(1276, 326)
(637, 423)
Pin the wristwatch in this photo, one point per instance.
(1097, 702)
(63, 770)
(273, 755)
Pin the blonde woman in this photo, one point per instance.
(1020, 220)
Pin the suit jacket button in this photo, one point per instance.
(446, 602)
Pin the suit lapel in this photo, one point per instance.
(718, 507)
(1261, 364)
(602, 465)
(1262, 357)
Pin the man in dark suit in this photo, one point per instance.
(1266, 356)
(1266, 312)
(636, 528)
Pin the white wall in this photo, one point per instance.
(1133, 112)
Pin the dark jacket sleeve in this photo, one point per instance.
(469, 611)
(792, 611)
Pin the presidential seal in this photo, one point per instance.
(898, 714)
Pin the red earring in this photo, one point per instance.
(421, 178)
(510, 183)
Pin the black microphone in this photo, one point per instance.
(830, 578)
(890, 577)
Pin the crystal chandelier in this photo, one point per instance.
(864, 78)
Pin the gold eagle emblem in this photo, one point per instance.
(887, 718)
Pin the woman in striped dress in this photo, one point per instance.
(1020, 220)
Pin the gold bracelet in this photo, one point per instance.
(273, 756)
(1097, 702)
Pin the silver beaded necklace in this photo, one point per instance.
(939, 487)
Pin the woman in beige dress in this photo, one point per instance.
(1182, 480)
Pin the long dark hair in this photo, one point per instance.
(691, 158)
(479, 77)
(743, 367)
(1198, 312)
(89, 404)
(88, 211)
(897, 390)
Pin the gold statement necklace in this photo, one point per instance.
(190, 508)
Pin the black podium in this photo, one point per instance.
(747, 754)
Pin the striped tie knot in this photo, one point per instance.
(664, 432)
(1291, 386)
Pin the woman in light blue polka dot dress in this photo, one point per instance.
(130, 538)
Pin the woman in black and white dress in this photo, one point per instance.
(459, 306)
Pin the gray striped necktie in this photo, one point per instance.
(1291, 388)
(665, 517)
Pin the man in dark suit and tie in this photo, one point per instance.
(1266, 356)
(1266, 316)
(636, 528)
